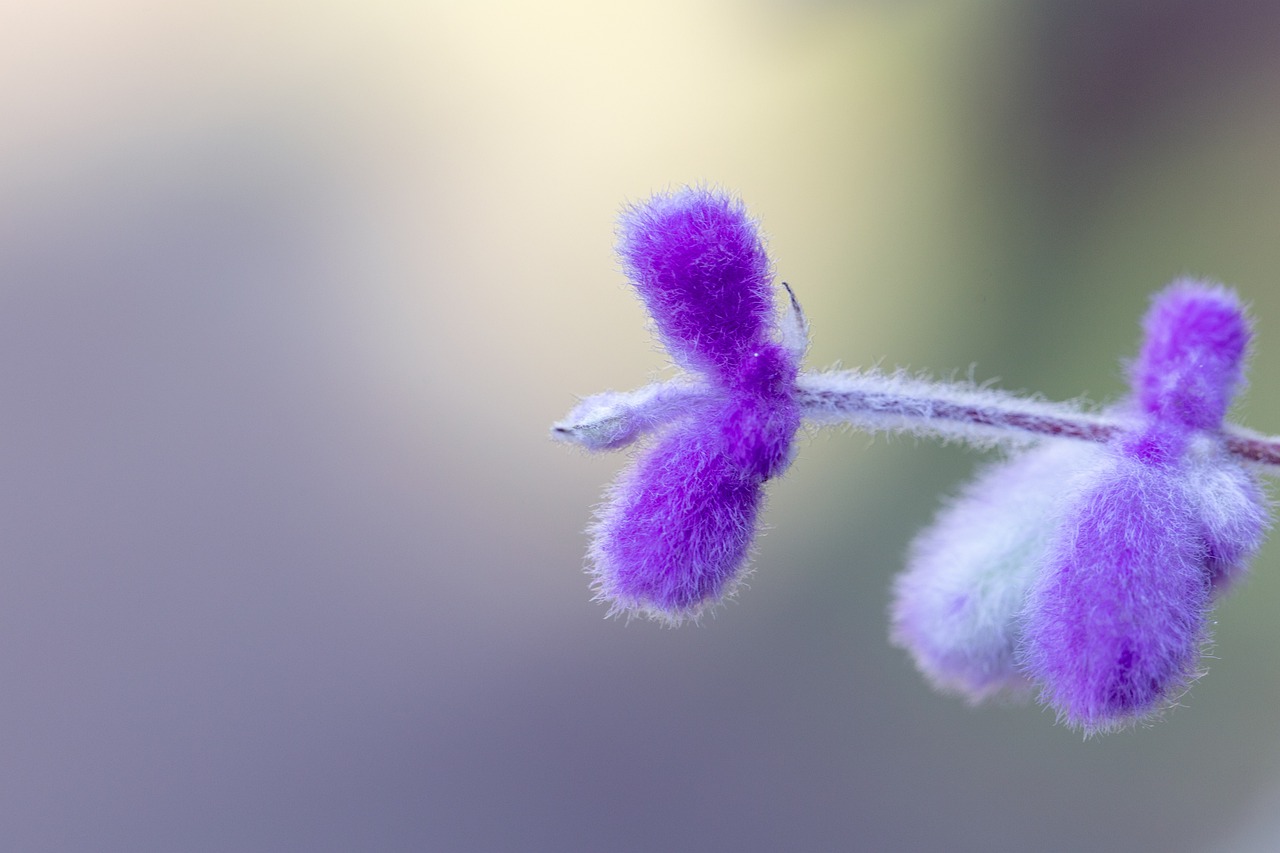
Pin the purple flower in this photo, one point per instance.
(1088, 571)
(1115, 623)
(677, 527)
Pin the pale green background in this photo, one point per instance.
(290, 294)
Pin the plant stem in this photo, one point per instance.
(878, 402)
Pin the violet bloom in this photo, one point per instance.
(1081, 566)
(1116, 620)
(675, 532)
(1087, 570)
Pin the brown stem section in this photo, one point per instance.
(1265, 451)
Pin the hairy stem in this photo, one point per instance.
(878, 402)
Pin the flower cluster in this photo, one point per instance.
(1082, 566)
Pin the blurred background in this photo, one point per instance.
(290, 294)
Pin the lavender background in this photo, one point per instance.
(290, 294)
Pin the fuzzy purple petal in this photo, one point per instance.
(1230, 508)
(675, 533)
(697, 261)
(1114, 626)
(1192, 357)
(956, 607)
